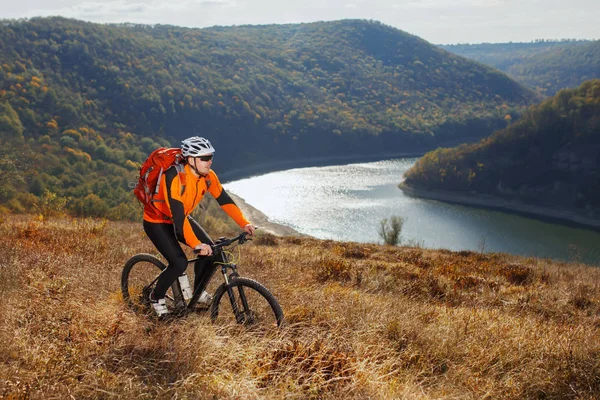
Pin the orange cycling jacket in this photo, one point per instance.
(174, 203)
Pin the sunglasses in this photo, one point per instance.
(205, 158)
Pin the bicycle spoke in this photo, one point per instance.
(247, 304)
(139, 278)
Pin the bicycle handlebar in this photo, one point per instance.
(222, 242)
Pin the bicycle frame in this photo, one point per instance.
(225, 265)
(218, 252)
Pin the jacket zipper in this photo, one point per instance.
(195, 197)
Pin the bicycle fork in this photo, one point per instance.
(243, 315)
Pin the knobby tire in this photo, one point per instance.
(140, 271)
(256, 294)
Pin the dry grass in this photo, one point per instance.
(364, 321)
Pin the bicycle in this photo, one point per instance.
(252, 304)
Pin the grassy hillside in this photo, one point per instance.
(545, 66)
(88, 102)
(364, 321)
(547, 158)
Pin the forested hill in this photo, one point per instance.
(546, 66)
(90, 101)
(548, 158)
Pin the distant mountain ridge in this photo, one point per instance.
(92, 100)
(546, 66)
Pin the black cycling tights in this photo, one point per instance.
(163, 238)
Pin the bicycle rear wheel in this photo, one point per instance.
(138, 279)
(247, 302)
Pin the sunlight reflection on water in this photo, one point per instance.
(346, 203)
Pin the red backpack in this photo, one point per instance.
(151, 171)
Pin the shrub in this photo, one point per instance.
(517, 274)
(89, 206)
(266, 239)
(335, 269)
(52, 204)
(389, 230)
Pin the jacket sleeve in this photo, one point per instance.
(181, 224)
(225, 201)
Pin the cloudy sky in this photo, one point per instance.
(437, 21)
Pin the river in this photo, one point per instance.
(347, 202)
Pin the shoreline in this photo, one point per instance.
(554, 215)
(549, 214)
(276, 166)
(324, 161)
(258, 218)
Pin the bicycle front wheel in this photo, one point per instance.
(138, 279)
(247, 302)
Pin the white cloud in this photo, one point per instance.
(438, 21)
(225, 3)
(444, 4)
(152, 11)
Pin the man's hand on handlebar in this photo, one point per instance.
(249, 229)
(203, 249)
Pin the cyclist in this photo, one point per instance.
(168, 222)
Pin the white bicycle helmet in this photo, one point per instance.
(196, 146)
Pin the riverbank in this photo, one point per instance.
(276, 166)
(515, 206)
(324, 161)
(259, 219)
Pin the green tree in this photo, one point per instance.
(90, 206)
(15, 166)
(10, 124)
(51, 204)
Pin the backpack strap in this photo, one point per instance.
(158, 181)
(181, 173)
(144, 179)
